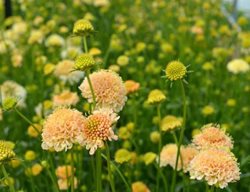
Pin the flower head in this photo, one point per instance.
(6, 152)
(131, 86)
(217, 167)
(109, 90)
(139, 187)
(83, 27)
(212, 136)
(156, 96)
(175, 70)
(238, 66)
(97, 129)
(170, 122)
(84, 62)
(66, 98)
(122, 156)
(61, 129)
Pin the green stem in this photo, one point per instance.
(120, 173)
(98, 171)
(72, 171)
(52, 172)
(12, 189)
(26, 119)
(159, 149)
(111, 178)
(85, 44)
(91, 89)
(181, 135)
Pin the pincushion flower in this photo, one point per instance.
(238, 66)
(122, 156)
(83, 27)
(139, 186)
(187, 155)
(109, 90)
(175, 70)
(64, 71)
(131, 86)
(170, 122)
(156, 96)
(62, 129)
(66, 98)
(217, 167)
(97, 129)
(11, 89)
(54, 40)
(211, 136)
(6, 152)
(84, 62)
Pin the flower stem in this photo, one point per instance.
(91, 89)
(12, 189)
(159, 148)
(120, 173)
(85, 44)
(111, 178)
(26, 119)
(98, 171)
(181, 135)
(72, 171)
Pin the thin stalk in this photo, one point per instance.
(91, 88)
(72, 171)
(98, 171)
(159, 149)
(12, 189)
(85, 45)
(120, 173)
(111, 178)
(181, 135)
(26, 119)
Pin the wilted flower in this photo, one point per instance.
(211, 136)
(61, 129)
(109, 90)
(97, 129)
(217, 167)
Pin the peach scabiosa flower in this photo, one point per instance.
(66, 98)
(61, 129)
(109, 90)
(217, 167)
(212, 136)
(97, 129)
(131, 86)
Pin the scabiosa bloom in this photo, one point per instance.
(212, 136)
(109, 90)
(61, 129)
(131, 86)
(175, 70)
(170, 122)
(217, 167)
(84, 62)
(97, 129)
(6, 152)
(64, 70)
(11, 89)
(139, 186)
(187, 155)
(238, 66)
(156, 96)
(66, 98)
(83, 27)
